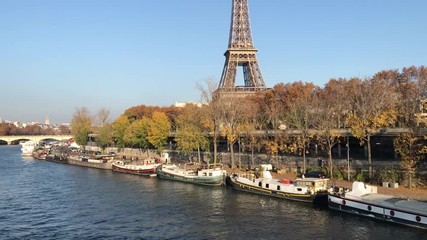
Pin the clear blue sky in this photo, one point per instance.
(58, 55)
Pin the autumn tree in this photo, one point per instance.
(270, 104)
(191, 132)
(172, 113)
(81, 125)
(232, 115)
(104, 135)
(373, 109)
(246, 123)
(332, 104)
(102, 117)
(136, 134)
(297, 100)
(237, 117)
(158, 130)
(137, 112)
(269, 116)
(119, 128)
(409, 86)
(324, 121)
(65, 130)
(4, 129)
(411, 150)
(412, 92)
(213, 110)
(256, 119)
(103, 128)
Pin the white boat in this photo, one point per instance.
(28, 147)
(212, 175)
(145, 167)
(365, 201)
(310, 190)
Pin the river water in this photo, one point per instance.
(45, 200)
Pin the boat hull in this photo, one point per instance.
(105, 166)
(201, 180)
(141, 172)
(39, 155)
(318, 199)
(57, 159)
(377, 211)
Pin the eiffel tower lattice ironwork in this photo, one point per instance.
(241, 53)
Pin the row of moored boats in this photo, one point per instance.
(361, 199)
(212, 175)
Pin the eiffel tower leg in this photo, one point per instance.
(229, 75)
(257, 79)
(248, 75)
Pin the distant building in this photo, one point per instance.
(183, 104)
(18, 124)
(46, 121)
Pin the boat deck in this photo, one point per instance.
(392, 202)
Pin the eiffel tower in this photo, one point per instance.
(240, 53)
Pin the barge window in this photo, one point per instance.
(278, 188)
(304, 184)
(260, 184)
(267, 185)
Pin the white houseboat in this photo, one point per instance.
(28, 147)
(365, 201)
(311, 190)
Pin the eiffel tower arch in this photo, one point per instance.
(240, 53)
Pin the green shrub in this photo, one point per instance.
(337, 174)
(360, 177)
(386, 174)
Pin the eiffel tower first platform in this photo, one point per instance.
(240, 53)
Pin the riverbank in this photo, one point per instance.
(401, 191)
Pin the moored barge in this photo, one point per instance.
(209, 175)
(146, 167)
(309, 190)
(364, 200)
(97, 161)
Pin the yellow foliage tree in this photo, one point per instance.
(158, 130)
(192, 125)
(81, 125)
(363, 126)
(411, 150)
(136, 134)
(119, 128)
